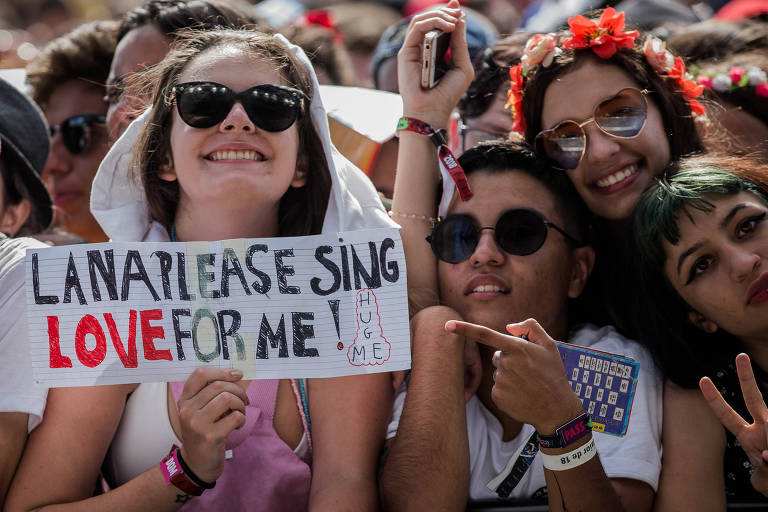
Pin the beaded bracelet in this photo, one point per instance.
(415, 216)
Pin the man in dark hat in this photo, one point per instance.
(25, 208)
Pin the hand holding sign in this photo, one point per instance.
(753, 437)
(211, 406)
(529, 381)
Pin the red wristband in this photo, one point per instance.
(448, 162)
(176, 473)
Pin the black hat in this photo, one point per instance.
(24, 133)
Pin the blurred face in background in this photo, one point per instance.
(138, 49)
(75, 112)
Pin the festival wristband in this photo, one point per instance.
(449, 166)
(176, 472)
(570, 460)
(567, 433)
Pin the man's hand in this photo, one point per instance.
(530, 384)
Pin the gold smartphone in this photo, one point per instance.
(435, 58)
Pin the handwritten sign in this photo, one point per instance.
(315, 306)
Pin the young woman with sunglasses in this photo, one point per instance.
(510, 252)
(703, 244)
(236, 145)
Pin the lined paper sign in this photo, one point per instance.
(315, 306)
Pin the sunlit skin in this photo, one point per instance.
(69, 177)
(574, 97)
(137, 50)
(720, 268)
(243, 182)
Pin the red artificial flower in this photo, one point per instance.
(736, 73)
(705, 81)
(762, 90)
(604, 37)
(696, 107)
(515, 98)
(322, 18)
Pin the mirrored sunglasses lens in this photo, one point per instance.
(202, 106)
(273, 110)
(564, 144)
(454, 239)
(520, 232)
(623, 115)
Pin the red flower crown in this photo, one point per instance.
(604, 37)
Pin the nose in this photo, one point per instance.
(59, 162)
(600, 146)
(237, 120)
(487, 252)
(121, 113)
(744, 263)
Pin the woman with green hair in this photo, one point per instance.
(702, 240)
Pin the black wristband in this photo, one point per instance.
(195, 479)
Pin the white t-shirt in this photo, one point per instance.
(17, 391)
(636, 455)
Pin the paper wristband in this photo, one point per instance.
(570, 460)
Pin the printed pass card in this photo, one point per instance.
(605, 383)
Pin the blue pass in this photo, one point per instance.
(605, 383)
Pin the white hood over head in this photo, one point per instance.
(119, 204)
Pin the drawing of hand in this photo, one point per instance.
(753, 437)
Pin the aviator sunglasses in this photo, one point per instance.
(520, 232)
(621, 116)
(273, 108)
(76, 131)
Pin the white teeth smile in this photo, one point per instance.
(487, 288)
(236, 155)
(617, 177)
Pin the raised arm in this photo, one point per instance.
(70, 444)
(415, 196)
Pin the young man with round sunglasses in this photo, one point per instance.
(67, 80)
(25, 209)
(515, 251)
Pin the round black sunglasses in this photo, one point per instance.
(519, 231)
(271, 107)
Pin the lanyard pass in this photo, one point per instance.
(449, 166)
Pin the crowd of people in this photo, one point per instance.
(599, 184)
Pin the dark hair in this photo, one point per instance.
(491, 74)
(684, 352)
(15, 191)
(301, 210)
(170, 16)
(675, 111)
(83, 54)
(500, 156)
(324, 52)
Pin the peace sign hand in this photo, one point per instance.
(753, 437)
